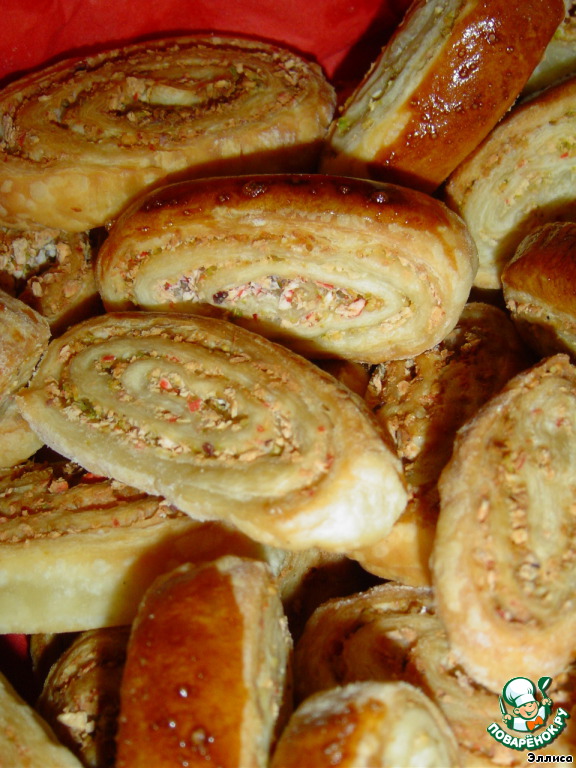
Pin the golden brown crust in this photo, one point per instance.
(80, 698)
(222, 691)
(221, 422)
(538, 288)
(367, 724)
(450, 72)
(503, 560)
(422, 402)
(78, 552)
(518, 179)
(81, 138)
(329, 266)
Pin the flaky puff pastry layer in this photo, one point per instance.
(449, 73)
(381, 725)
(26, 740)
(519, 178)
(207, 670)
(80, 138)
(422, 402)
(538, 288)
(329, 266)
(24, 337)
(78, 552)
(503, 562)
(221, 422)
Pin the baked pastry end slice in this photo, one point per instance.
(503, 565)
(211, 645)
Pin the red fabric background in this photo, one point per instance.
(344, 36)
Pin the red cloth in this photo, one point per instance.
(336, 32)
(15, 665)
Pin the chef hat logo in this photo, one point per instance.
(519, 691)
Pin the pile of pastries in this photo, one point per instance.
(288, 397)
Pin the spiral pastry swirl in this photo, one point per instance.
(222, 423)
(518, 179)
(82, 137)
(503, 562)
(330, 266)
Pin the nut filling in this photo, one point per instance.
(289, 301)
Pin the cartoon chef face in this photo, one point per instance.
(520, 694)
(527, 710)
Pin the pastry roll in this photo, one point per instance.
(221, 422)
(78, 552)
(366, 636)
(470, 708)
(24, 337)
(381, 725)
(422, 402)
(538, 288)
(445, 78)
(207, 669)
(519, 178)
(391, 633)
(331, 267)
(52, 272)
(26, 740)
(82, 137)
(503, 567)
(559, 58)
(80, 698)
